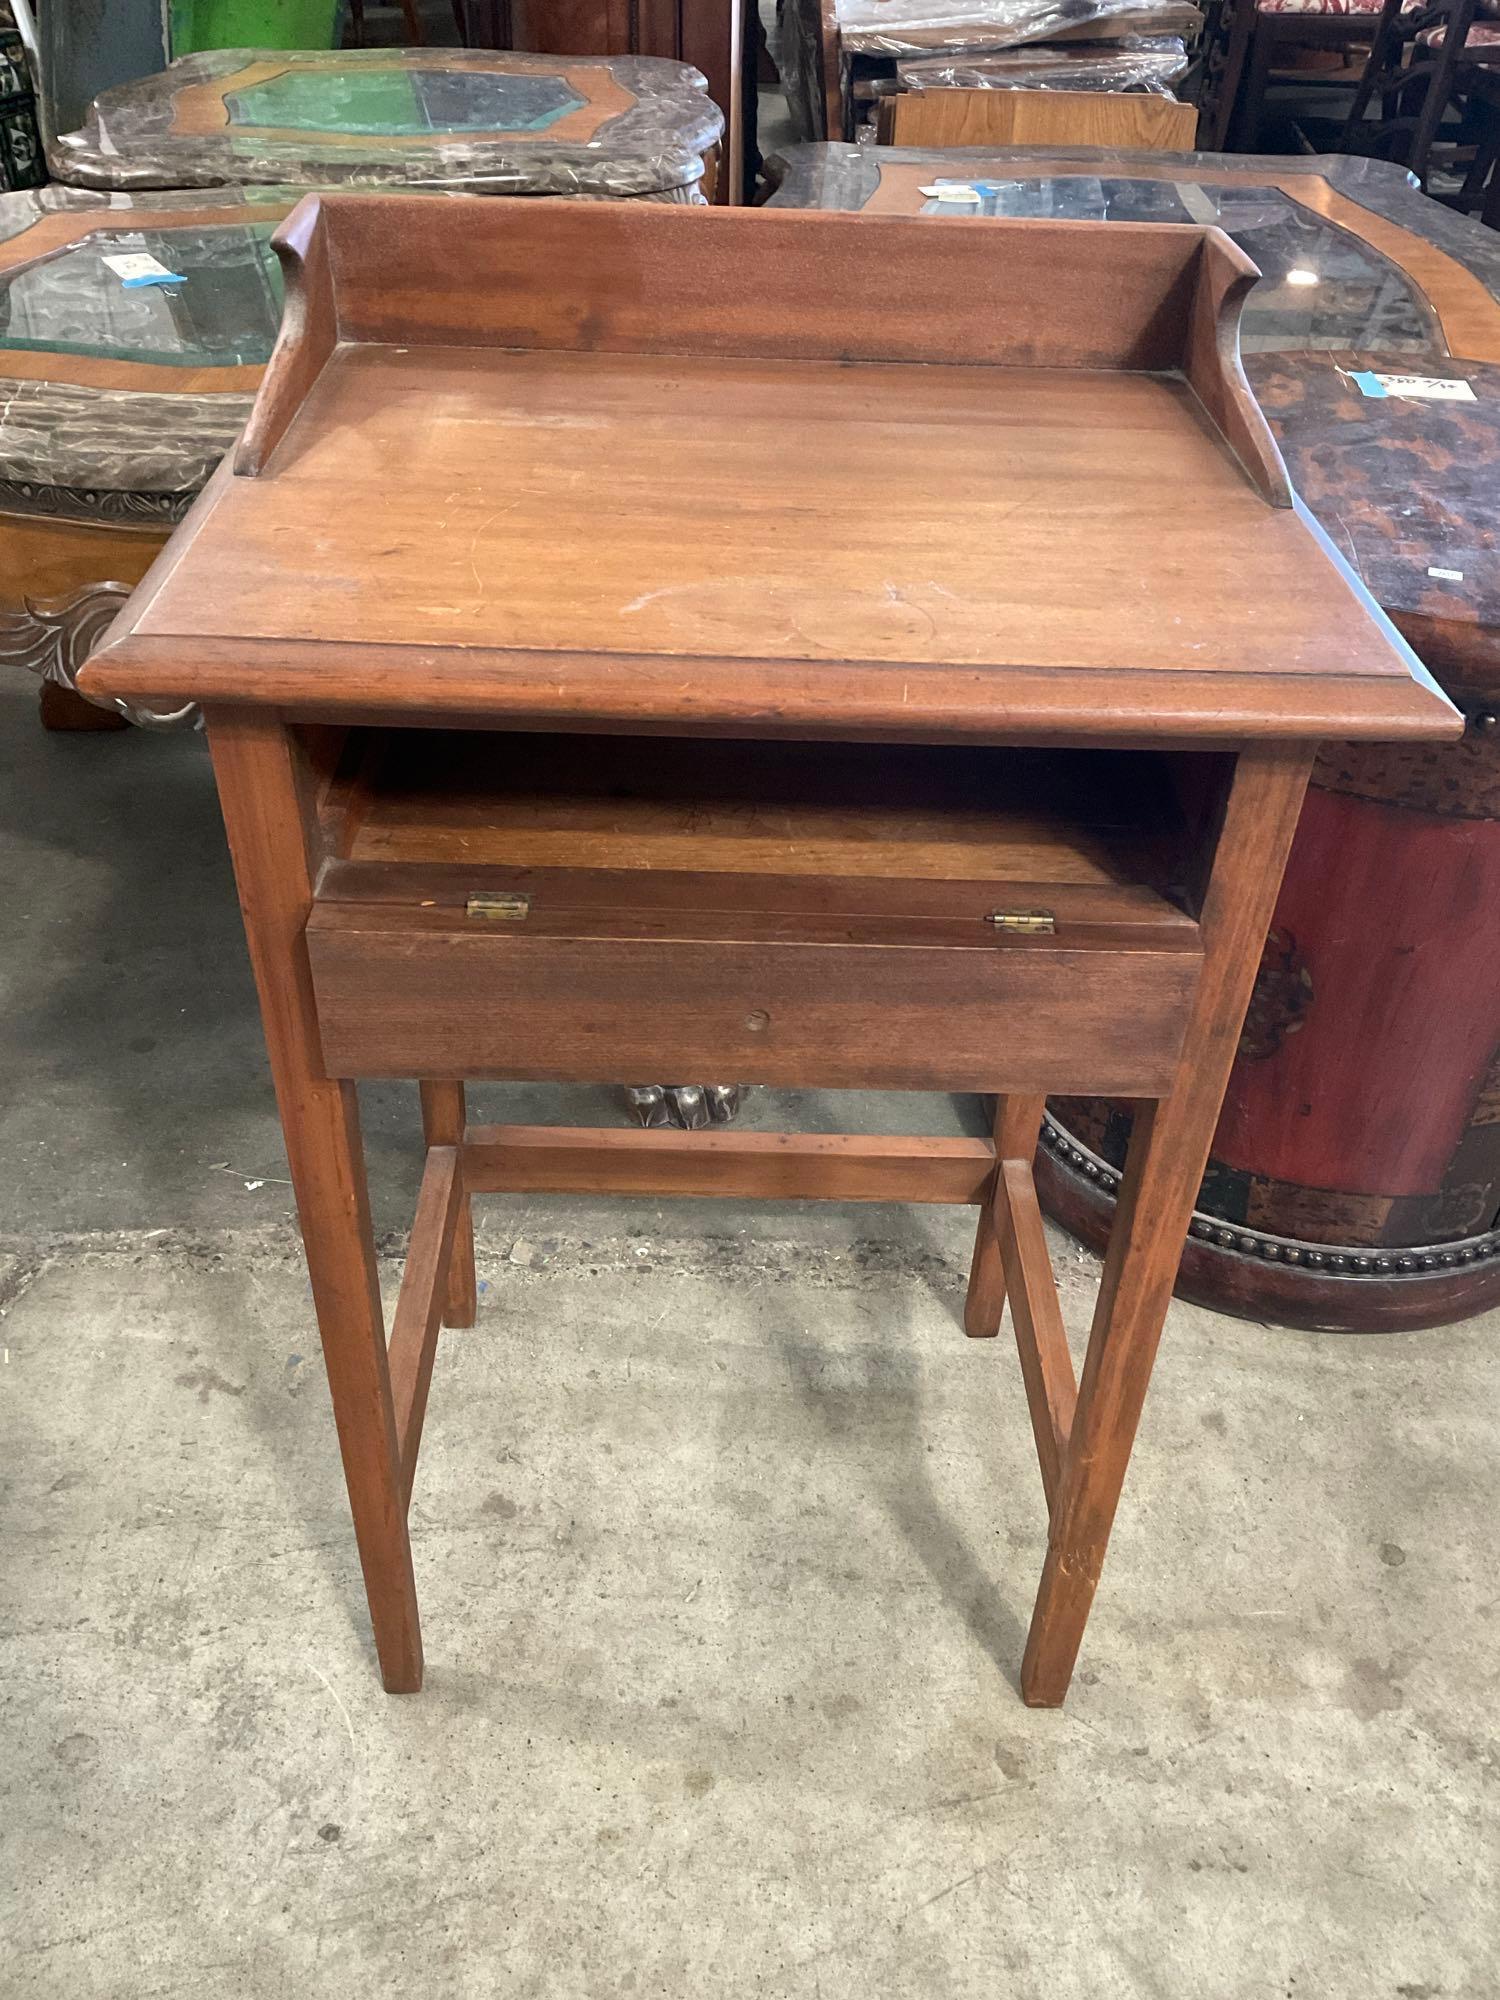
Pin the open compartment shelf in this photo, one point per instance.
(749, 889)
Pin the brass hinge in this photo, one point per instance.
(1023, 923)
(510, 908)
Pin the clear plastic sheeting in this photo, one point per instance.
(910, 27)
(799, 60)
(1138, 64)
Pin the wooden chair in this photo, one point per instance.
(1412, 73)
(1480, 82)
(416, 27)
(1245, 40)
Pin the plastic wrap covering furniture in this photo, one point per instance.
(909, 27)
(1140, 63)
(21, 164)
(799, 59)
(482, 121)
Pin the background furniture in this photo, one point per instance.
(429, 900)
(838, 56)
(1151, 63)
(1248, 43)
(1355, 1177)
(21, 162)
(117, 403)
(625, 127)
(944, 118)
(1408, 82)
(713, 36)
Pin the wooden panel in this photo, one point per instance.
(794, 285)
(309, 330)
(419, 1307)
(778, 1166)
(1217, 374)
(945, 118)
(664, 901)
(1036, 1315)
(425, 994)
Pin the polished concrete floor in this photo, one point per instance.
(726, 1540)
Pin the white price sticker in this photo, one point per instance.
(951, 191)
(137, 268)
(1428, 388)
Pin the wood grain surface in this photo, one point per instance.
(943, 118)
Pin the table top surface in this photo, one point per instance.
(492, 121)
(1021, 519)
(635, 475)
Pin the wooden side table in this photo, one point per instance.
(989, 791)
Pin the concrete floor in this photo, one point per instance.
(726, 1540)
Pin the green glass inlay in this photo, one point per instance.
(401, 103)
(223, 315)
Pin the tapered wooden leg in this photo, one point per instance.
(1168, 1153)
(1018, 1120)
(444, 1117)
(267, 813)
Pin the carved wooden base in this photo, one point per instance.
(54, 636)
(1320, 1286)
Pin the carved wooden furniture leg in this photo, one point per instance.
(444, 1119)
(1018, 1120)
(1167, 1156)
(264, 793)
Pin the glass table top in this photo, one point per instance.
(1320, 286)
(223, 314)
(392, 103)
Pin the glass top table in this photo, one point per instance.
(485, 121)
(221, 311)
